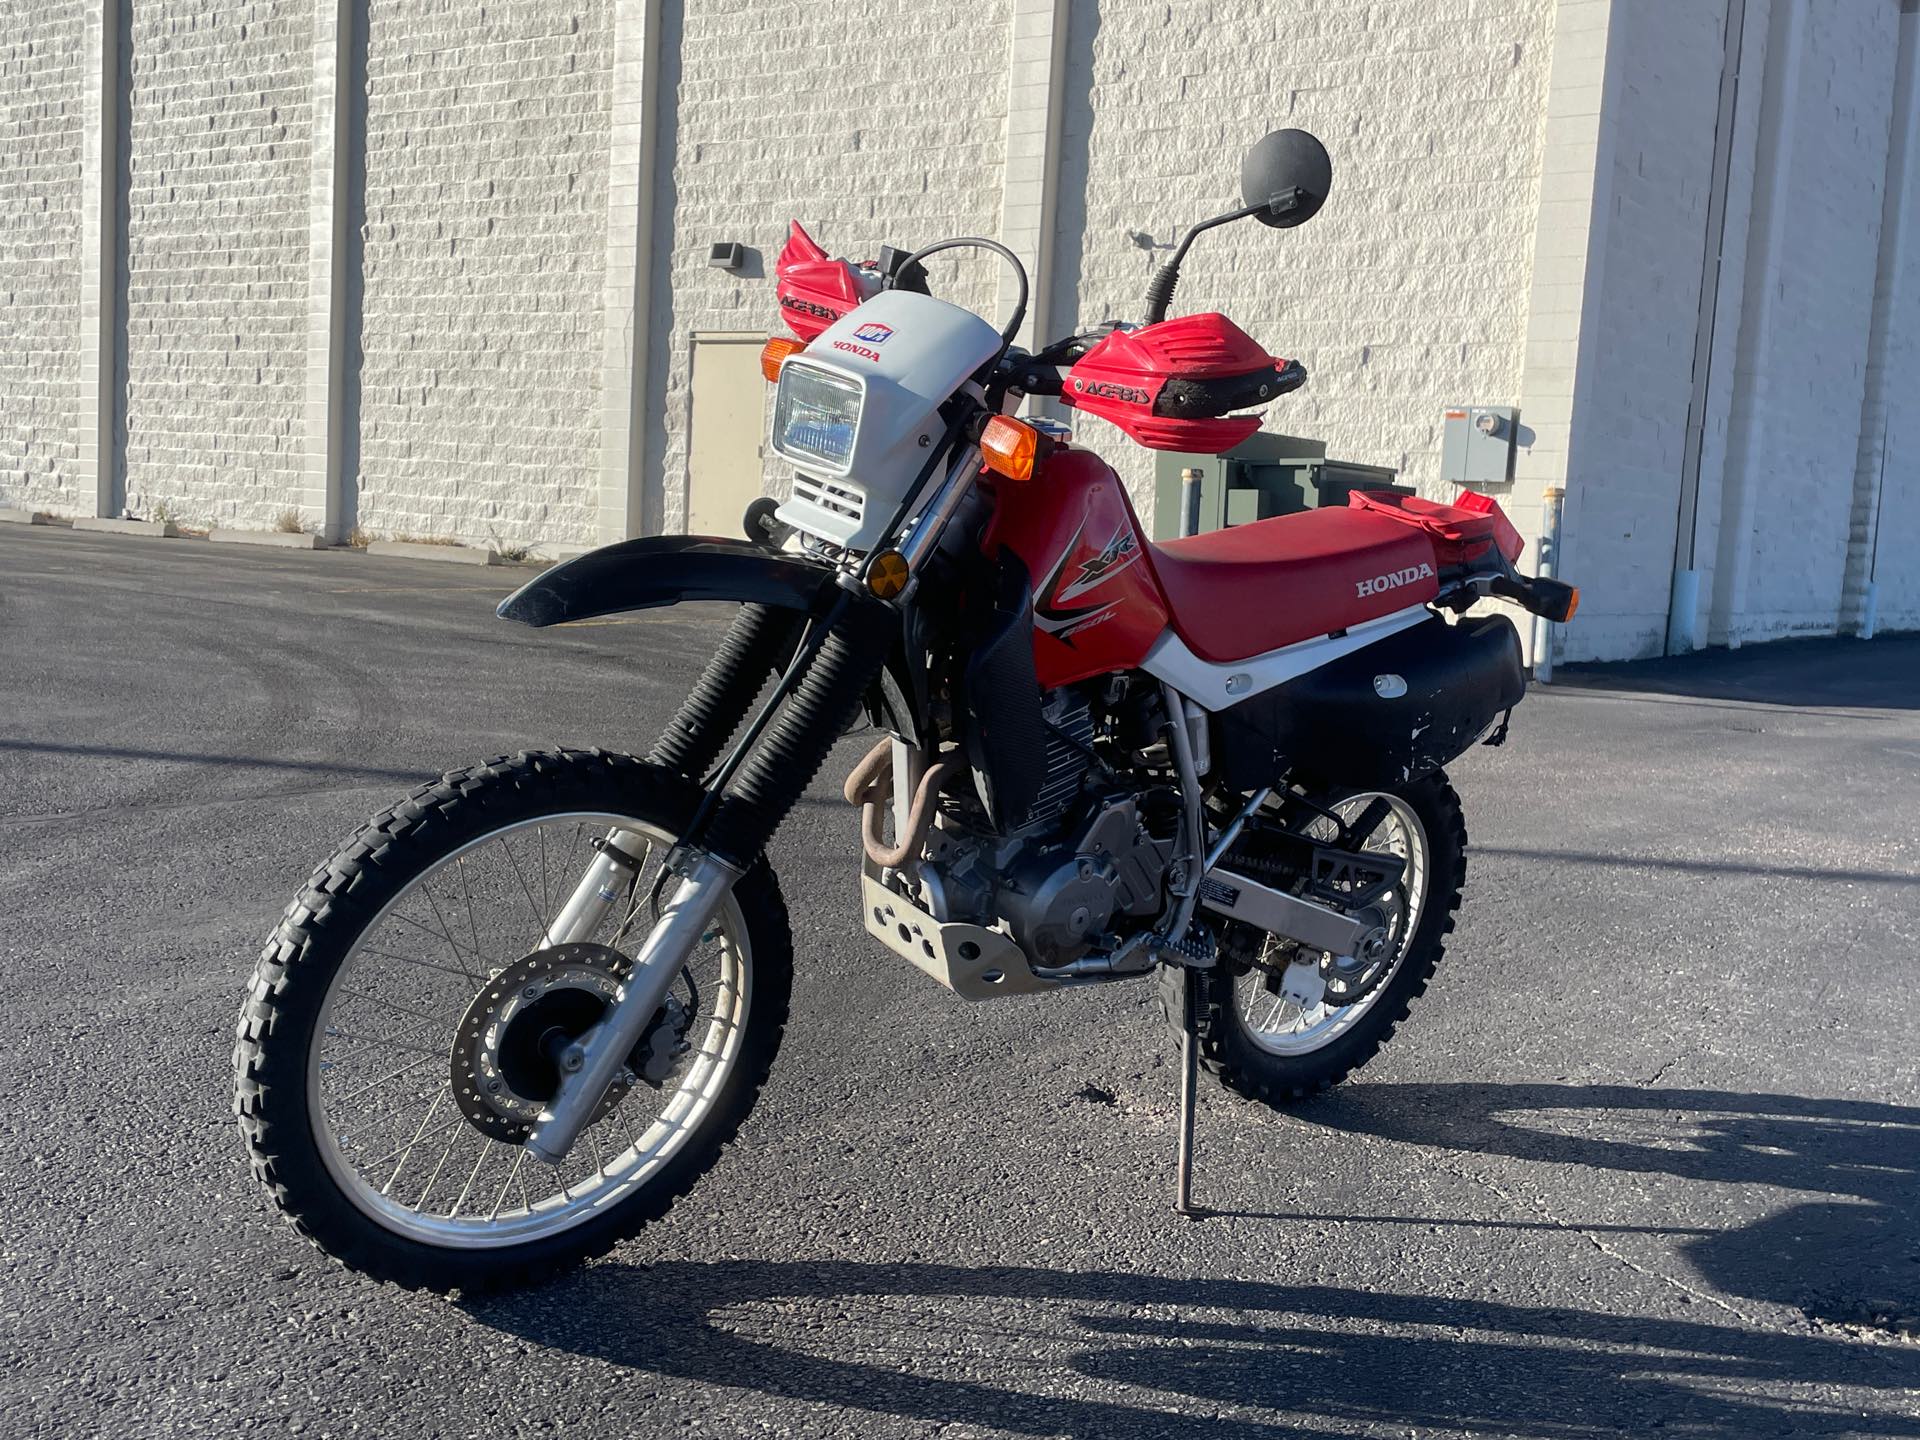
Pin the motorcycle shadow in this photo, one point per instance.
(1045, 1352)
(1845, 1249)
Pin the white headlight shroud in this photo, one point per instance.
(858, 413)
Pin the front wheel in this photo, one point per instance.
(407, 1021)
(1280, 1042)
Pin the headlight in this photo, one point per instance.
(815, 416)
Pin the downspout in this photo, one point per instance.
(1683, 606)
(1773, 160)
(1859, 595)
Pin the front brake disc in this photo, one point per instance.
(505, 1059)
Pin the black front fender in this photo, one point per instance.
(665, 570)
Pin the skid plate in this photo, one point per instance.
(970, 960)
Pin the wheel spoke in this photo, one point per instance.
(467, 1189)
(506, 1184)
(539, 916)
(438, 1096)
(439, 919)
(409, 1067)
(413, 960)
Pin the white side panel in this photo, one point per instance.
(1218, 686)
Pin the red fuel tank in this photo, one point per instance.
(1097, 606)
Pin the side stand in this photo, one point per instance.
(1189, 1078)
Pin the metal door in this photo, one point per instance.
(726, 448)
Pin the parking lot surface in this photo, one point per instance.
(1646, 1158)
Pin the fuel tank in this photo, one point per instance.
(1097, 606)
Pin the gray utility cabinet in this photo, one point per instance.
(1265, 475)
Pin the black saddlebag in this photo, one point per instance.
(1392, 712)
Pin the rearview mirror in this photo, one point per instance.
(1285, 177)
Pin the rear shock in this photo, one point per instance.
(757, 643)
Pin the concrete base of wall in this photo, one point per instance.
(456, 554)
(148, 529)
(281, 539)
(24, 517)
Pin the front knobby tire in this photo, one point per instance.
(274, 1049)
(1229, 1050)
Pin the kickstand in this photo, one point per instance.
(1189, 1077)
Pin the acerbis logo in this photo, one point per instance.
(1107, 390)
(1394, 579)
(874, 333)
(808, 307)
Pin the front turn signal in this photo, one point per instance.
(1010, 447)
(775, 353)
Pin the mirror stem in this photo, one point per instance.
(1160, 288)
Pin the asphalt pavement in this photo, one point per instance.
(1646, 1158)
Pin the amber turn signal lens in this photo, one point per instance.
(1574, 603)
(887, 574)
(775, 354)
(1009, 447)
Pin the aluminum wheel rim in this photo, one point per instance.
(598, 1174)
(1279, 1026)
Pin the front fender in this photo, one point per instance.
(665, 570)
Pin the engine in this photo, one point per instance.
(1091, 858)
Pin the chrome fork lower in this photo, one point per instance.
(595, 1060)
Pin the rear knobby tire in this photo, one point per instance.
(317, 933)
(1230, 1053)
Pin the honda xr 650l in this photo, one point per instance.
(520, 1012)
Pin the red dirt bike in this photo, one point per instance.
(520, 1012)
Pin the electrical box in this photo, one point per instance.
(1477, 444)
(1264, 476)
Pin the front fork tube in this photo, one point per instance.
(623, 854)
(593, 1063)
(727, 835)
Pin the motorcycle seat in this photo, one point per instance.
(1240, 592)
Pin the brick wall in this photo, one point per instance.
(883, 124)
(1818, 354)
(40, 264)
(1621, 525)
(485, 230)
(1409, 290)
(216, 261)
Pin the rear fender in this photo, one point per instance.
(662, 570)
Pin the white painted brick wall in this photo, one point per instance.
(1409, 291)
(485, 230)
(1621, 523)
(1897, 539)
(873, 124)
(40, 261)
(217, 258)
(1825, 299)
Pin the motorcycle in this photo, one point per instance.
(1213, 763)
